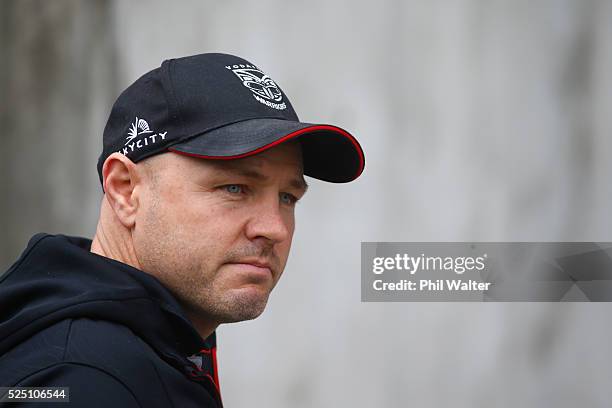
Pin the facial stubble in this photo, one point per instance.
(196, 281)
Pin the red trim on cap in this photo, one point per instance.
(283, 139)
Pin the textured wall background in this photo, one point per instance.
(481, 120)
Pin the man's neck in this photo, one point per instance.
(114, 241)
(203, 326)
(103, 246)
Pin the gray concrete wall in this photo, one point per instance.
(481, 120)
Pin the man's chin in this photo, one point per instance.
(246, 305)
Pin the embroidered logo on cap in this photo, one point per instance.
(137, 128)
(263, 87)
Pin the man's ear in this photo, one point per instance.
(121, 177)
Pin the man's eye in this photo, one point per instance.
(234, 188)
(287, 198)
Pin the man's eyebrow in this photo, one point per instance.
(297, 183)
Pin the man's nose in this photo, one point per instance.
(269, 221)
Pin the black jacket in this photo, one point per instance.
(110, 332)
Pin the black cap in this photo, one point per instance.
(219, 106)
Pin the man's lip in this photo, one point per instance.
(257, 264)
(252, 271)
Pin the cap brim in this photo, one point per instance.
(330, 153)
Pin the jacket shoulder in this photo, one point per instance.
(96, 348)
(87, 386)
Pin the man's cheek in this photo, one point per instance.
(286, 249)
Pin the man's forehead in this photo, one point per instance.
(259, 173)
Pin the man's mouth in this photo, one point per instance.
(257, 263)
(253, 268)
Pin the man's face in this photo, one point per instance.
(217, 233)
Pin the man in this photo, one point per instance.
(202, 164)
